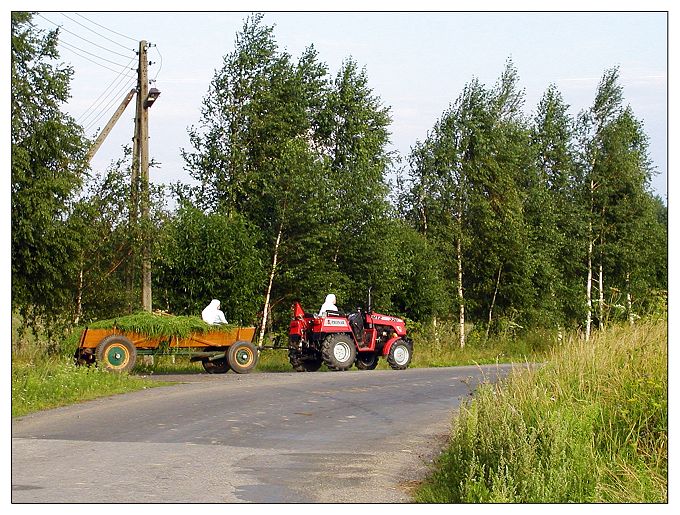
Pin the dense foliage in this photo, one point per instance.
(47, 162)
(498, 221)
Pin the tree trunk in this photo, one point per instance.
(629, 301)
(461, 299)
(589, 280)
(265, 311)
(493, 302)
(600, 299)
(437, 341)
(79, 297)
(589, 288)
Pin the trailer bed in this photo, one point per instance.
(218, 350)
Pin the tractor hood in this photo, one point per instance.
(385, 319)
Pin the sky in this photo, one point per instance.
(416, 62)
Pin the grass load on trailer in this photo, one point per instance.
(115, 343)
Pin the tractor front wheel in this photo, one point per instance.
(304, 362)
(338, 351)
(400, 354)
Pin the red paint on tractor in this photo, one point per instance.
(370, 332)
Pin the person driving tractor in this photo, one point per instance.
(328, 305)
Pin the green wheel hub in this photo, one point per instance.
(244, 357)
(117, 356)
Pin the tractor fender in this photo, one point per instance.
(388, 345)
(296, 327)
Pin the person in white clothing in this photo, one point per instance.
(212, 314)
(328, 305)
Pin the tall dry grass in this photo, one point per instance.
(591, 425)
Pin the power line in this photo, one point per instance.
(116, 80)
(90, 60)
(93, 55)
(95, 32)
(113, 84)
(84, 39)
(106, 28)
(111, 103)
(160, 67)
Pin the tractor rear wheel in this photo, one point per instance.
(338, 351)
(304, 362)
(400, 354)
(116, 353)
(242, 357)
(367, 360)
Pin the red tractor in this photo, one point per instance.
(341, 341)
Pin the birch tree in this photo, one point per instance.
(618, 172)
(355, 134)
(554, 215)
(261, 111)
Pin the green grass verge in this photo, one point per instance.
(50, 383)
(589, 426)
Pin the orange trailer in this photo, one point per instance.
(218, 351)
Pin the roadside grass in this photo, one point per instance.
(44, 375)
(588, 426)
(43, 383)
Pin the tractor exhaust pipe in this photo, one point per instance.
(369, 309)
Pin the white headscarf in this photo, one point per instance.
(328, 305)
(212, 314)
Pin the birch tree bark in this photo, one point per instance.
(629, 301)
(600, 298)
(461, 299)
(265, 310)
(493, 302)
(589, 284)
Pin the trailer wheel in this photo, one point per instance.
(84, 357)
(400, 354)
(242, 357)
(216, 366)
(116, 353)
(338, 351)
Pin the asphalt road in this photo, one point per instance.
(341, 437)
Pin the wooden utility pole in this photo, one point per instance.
(140, 171)
(139, 176)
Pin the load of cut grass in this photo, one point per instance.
(159, 325)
